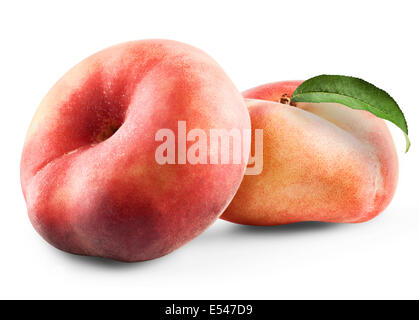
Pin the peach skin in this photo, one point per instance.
(321, 162)
(88, 171)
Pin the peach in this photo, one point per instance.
(88, 170)
(321, 162)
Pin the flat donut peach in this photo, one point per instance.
(89, 172)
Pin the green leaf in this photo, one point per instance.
(354, 93)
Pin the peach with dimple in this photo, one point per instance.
(88, 171)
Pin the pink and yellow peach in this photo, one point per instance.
(321, 161)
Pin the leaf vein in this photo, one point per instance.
(344, 95)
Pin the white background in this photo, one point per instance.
(256, 42)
